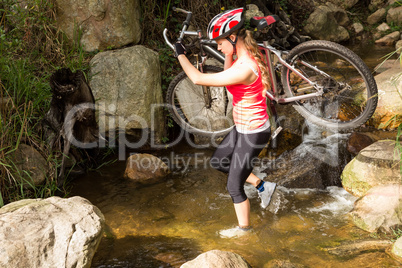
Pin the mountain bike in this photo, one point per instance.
(328, 84)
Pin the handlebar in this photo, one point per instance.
(166, 39)
(188, 18)
(186, 23)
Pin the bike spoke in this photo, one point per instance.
(345, 93)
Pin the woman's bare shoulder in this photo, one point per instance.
(246, 61)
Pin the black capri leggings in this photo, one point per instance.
(236, 155)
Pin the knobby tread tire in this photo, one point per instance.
(358, 64)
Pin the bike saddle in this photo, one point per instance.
(263, 22)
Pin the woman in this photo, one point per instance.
(246, 78)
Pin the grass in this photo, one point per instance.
(31, 49)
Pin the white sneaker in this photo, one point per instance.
(266, 194)
(234, 232)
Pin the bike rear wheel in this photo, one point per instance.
(188, 109)
(350, 91)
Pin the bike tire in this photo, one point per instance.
(187, 106)
(350, 97)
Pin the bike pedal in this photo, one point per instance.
(276, 132)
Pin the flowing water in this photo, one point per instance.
(168, 223)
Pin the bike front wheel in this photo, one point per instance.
(188, 108)
(350, 91)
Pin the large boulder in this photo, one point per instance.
(327, 23)
(52, 232)
(375, 165)
(127, 86)
(217, 259)
(379, 209)
(102, 23)
(316, 163)
(394, 16)
(389, 105)
(31, 167)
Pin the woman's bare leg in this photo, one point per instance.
(253, 180)
(243, 213)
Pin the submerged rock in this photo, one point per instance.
(145, 168)
(380, 208)
(283, 264)
(358, 141)
(375, 165)
(217, 259)
(52, 232)
(354, 248)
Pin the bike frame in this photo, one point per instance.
(207, 48)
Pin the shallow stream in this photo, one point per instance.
(169, 223)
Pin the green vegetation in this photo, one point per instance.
(158, 15)
(31, 49)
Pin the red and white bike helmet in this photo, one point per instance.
(224, 24)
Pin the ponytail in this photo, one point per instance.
(252, 48)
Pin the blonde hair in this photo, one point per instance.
(252, 48)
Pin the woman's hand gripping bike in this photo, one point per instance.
(328, 84)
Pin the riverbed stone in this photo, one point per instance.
(145, 168)
(52, 232)
(383, 27)
(346, 4)
(217, 259)
(379, 209)
(376, 4)
(389, 39)
(358, 141)
(354, 248)
(398, 47)
(396, 250)
(127, 86)
(386, 65)
(31, 167)
(389, 106)
(283, 264)
(103, 23)
(358, 27)
(253, 11)
(375, 165)
(377, 16)
(394, 15)
(326, 23)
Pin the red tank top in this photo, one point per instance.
(249, 106)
